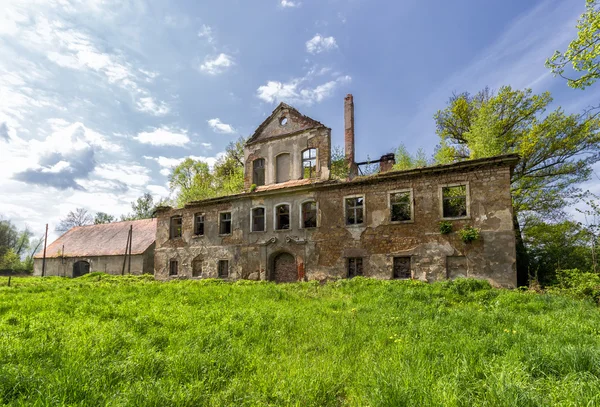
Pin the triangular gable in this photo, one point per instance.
(275, 126)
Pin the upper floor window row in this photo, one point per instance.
(283, 167)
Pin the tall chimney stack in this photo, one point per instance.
(349, 134)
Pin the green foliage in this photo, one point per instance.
(445, 227)
(583, 53)
(102, 218)
(556, 246)
(468, 234)
(406, 161)
(578, 284)
(557, 150)
(193, 180)
(107, 340)
(253, 187)
(16, 248)
(339, 165)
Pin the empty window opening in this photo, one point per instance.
(199, 224)
(309, 163)
(309, 215)
(282, 217)
(283, 168)
(176, 227)
(258, 172)
(283, 121)
(225, 223)
(454, 201)
(355, 267)
(223, 269)
(173, 267)
(400, 206)
(355, 210)
(258, 219)
(197, 267)
(80, 268)
(402, 268)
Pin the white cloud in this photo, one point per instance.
(130, 174)
(217, 65)
(206, 32)
(289, 3)
(318, 44)
(168, 163)
(295, 92)
(149, 105)
(164, 136)
(219, 127)
(158, 190)
(208, 146)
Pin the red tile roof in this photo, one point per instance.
(103, 240)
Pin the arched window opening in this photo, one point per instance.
(309, 163)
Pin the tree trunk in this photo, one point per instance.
(522, 256)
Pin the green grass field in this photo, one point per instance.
(131, 341)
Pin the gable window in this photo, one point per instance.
(454, 201)
(223, 269)
(402, 267)
(282, 217)
(282, 168)
(173, 264)
(258, 172)
(199, 224)
(176, 227)
(258, 220)
(225, 223)
(309, 163)
(400, 206)
(354, 210)
(309, 214)
(355, 266)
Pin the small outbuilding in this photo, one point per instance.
(86, 249)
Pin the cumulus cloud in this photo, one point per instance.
(206, 32)
(164, 136)
(217, 65)
(289, 3)
(296, 92)
(4, 132)
(219, 127)
(130, 174)
(149, 105)
(158, 190)
(318, 44)
(167, 163)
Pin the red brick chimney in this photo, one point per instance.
(349, 134)
(386, 162)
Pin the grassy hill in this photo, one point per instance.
(118, 341)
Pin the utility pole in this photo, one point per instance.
(126, 251)
(130, 244)
(44, 258)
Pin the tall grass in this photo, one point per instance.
(131, 341)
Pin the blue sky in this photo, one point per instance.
(99, 98)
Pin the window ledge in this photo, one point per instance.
(282, 230)
(457, 218)
(359, 225)
(258, 231)
(225, 234)
(401, 222)
(197, 236)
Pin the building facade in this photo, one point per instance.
(295, 223)
(86, 249)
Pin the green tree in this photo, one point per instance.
(339, 165)
(143, 208)
(407, 161)
(583, 53)
(102, 218)
(557, 149)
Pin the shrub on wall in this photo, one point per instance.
(468, 234)
(445, 227)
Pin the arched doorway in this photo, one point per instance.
(80, 268)
(284, 268)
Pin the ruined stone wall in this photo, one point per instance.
(294, 145)
(322, 252)
(106, 264)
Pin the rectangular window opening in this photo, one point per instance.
(309, 163)
(197, 267)
(400, 206)
(454, 201)
(223, 269)
(258, 172)
(354, 210)
(199, 224)
(173, 265)
(282, 217)
(402, 268)
(355, 267)
(258, 219)
(225, 223)
(309, 215)
(176, 227)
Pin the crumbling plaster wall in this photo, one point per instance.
(106, 264)
(322, 252)
(294, 145)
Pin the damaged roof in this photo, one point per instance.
(107, 239)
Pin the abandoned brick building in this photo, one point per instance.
(85, 249)
(295, 222)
